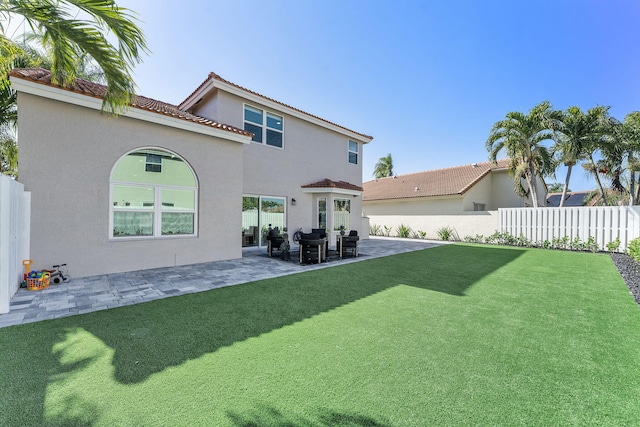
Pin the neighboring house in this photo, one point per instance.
(166, 185)
(463, 197)
(572, 198)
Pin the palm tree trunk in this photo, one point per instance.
(632, 189)
(566, 185)
(595, 172)
(533, 192)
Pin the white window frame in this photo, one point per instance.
(157, 209)
(147, 163)
(334, 211)
(261, 224)
(326, 211)
(264, 127)
(349, 152)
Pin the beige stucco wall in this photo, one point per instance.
(494, 190)
(310, 154)
(414, 207)
(66, 156)
(503, 195)
(464, 224)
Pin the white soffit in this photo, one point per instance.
(331, 190)
(62, 95)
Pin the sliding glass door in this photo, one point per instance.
(258, 214)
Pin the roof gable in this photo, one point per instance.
(98, 91)
(439, 182)
(214, 81)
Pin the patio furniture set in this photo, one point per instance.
(314, 246)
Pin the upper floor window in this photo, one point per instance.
(353, 152)
(154, 163)
(266, 127)
(153, 194)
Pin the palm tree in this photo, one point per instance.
(605, 140)
(576, 132)
(27, 57)
(522, 137)
(384, 167)
(630, 135)
(555, 187)
(70, 38)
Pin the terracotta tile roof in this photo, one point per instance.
(327, 183)
(440, 182)
(214, 76)
(95, 90)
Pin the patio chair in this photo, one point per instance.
(274, 240)
(312, 248)
(323, 235)
(348, 245)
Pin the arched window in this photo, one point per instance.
(154, 193)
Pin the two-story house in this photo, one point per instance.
(164, 185)
(299, 170)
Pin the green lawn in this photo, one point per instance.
(456, 335)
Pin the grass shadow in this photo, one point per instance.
(170, 331)
(267, 416)
(150, 337)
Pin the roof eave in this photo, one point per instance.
(84, 100)
(213, 82)
(412, 198)
(334, 190)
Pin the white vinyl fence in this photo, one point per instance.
(15, 213)
(603, 223)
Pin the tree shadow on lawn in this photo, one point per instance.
(268, 416)
(171, 331)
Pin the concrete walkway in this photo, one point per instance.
(103, 292)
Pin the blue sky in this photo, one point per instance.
(427, 79)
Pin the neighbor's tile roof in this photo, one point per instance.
(214, 76)
(95, 90)
(440, 182)
(327, 183)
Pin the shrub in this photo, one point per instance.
(422, 234)
(403, 231)
(375, 230)
(614, 245)
(499, 238)
(478, 238)
(634, 249)
(591, 245)
(387, 231)
(522, 241)
(445, 233)
(560, 242)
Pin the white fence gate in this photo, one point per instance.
(603, 223)
(15, 214)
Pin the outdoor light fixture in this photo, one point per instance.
(293, 201)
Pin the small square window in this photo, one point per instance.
(153, 163)
(479, 206)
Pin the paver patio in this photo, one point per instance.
(116, 290)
